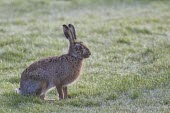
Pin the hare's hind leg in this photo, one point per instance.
(29, 87)
(33, 87)
(44, 87)
(42, 96)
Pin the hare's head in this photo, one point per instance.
(76, 49)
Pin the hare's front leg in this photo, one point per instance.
(65, 92)
(60, 92)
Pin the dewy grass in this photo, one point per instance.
(129, 70)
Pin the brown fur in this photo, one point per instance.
(57, 72)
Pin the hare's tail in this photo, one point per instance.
(17, 90)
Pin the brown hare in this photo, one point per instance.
(42, 75)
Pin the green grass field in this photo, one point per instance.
(129, 70)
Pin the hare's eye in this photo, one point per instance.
(78, 52)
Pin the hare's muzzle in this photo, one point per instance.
(88, 54)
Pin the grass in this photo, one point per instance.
(129, 70)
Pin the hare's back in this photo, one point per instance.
(41, 69)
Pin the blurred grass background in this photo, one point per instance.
(129, 70)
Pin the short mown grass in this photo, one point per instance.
(129, 70)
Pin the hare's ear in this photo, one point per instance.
(73, 31)
(68, 34)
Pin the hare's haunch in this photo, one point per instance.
(42, 75)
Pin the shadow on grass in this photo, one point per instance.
(14, 100)
(79, 99)
(79, 102)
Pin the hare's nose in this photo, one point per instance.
(89, 53)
